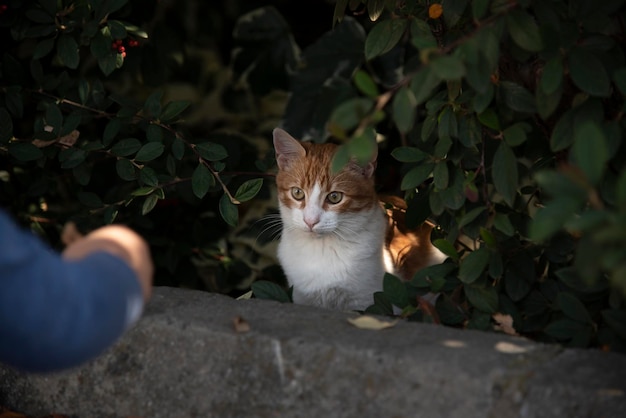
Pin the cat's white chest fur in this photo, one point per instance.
(335, 270)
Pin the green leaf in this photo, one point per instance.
(563, 132)
(448, 67)
(201, 181)
(126, 147)
(24, 151)
(54, 118)
(589, 151)
(149, 204)
(229, 211)
(473, 265)
(143, 191)
(108, 63)
(515, 134)
(395, 290)
(558, 184)
(517, 97)
(83, 90)
(480, 8)
(403, 108)
(117, 28)
(152, 105)
(518, 277)
(470, 216)
(178, 149)
(573, 308)
(564, 329)
(381, 306)
(588, 73)
(110, 131)
(148, 176)
(150, 151)
(504, 173)
(478, 70)
(154, 133)
(441, 175)
(416, 176)
(496, 266)
(425, 276)
(340, 11)
(263, 289)
(43, 48)
(503, 224)
(72, 157)
(447, 248)
(552, 75)
(448, 128)
(125, 169)
(383, 37)
(350, 113)
(550, 219)
(490, 119)
(453, 11)
(67, 48)
(173, 109)
(524, 30)
(547, 103)
(366, 84)
(423, 84)
(211, 151)
(483, 298)
(421, 35)
(248, 190)
(109, 215)
(89, 199)
(408, 154)
(488, 238)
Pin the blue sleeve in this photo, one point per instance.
(56, 314)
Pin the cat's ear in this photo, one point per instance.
(287, 148)
(370, 167)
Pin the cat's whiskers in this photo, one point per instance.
(273, 225)
(345, 233)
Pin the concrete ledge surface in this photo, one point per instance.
(185, 359)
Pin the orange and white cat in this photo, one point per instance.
(337, 241)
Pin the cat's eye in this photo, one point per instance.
(297, 193)
(334, 197)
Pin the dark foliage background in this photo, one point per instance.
(503, 121)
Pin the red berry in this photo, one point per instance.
(133, 43)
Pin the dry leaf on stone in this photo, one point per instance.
(504, 323)
(369, 322)
(245, 296)
(240, 324)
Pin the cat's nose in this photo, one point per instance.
(311, 222)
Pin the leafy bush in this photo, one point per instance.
(502, 121)
(508, 120)
(96, 127)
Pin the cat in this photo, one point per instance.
(337, 240)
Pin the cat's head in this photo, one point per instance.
(314, 199)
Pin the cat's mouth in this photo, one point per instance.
(317, 232)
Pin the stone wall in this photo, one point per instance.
(185, 358)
